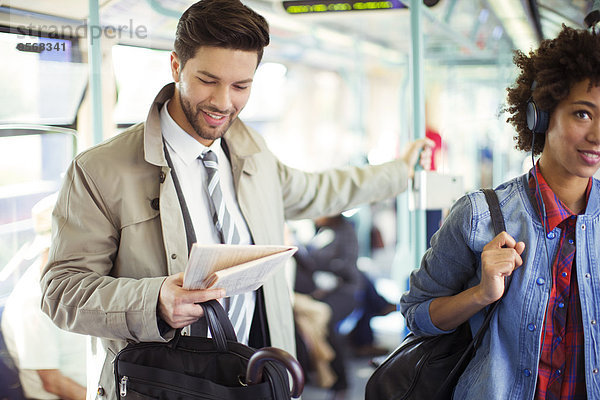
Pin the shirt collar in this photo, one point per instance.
(185, 146)
(556, 211)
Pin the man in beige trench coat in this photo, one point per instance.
(120, 237)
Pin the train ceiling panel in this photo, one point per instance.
(460, 30)
(553, 13)
(70, 9)
(455, 30)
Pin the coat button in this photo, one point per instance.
(173, 256)
(531, 327)
(155, 204)
(100, 391)
(551, 235)
(162, 176)
(527, 372)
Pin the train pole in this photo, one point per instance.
(95, 63)
(419, 230)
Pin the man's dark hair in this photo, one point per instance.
(556, 66)
(220, 23)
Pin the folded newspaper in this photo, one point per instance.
(236, 268)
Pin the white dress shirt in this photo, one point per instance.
(184, 151)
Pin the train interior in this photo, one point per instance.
(341, 83)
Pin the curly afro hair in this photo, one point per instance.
(558, 64)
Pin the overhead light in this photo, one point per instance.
(516, 23)
(594, 15)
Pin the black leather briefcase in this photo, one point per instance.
(218, 368)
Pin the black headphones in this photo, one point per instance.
(537, 120)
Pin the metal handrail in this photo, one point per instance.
(33, 129)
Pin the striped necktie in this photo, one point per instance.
(229, 235)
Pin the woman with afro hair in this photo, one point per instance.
(543, 342)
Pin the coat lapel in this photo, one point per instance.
(241, 149)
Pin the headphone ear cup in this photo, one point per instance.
(531, 115)
(543, 120)
(537, 120)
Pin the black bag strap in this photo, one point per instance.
(219, 324)
(187, 220)
(495, 211)
(499, 226)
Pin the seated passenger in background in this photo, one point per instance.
(313, 350)
(543, 341)
(334, 251)
(51, 361)
(327, 270)
(372, 304)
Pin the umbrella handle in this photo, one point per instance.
(256, 363)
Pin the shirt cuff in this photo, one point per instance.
(163, 327)
(423, 320)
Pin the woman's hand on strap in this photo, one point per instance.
(499, 259)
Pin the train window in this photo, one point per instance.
(268, 91)
(140, 73)
(315, 118)
(36, 72)
(33, 159)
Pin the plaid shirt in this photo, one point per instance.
(561, 372)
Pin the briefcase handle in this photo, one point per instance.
(219, 324)
(221, 330)
(256, 364)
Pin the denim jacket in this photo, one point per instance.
(506, 363)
